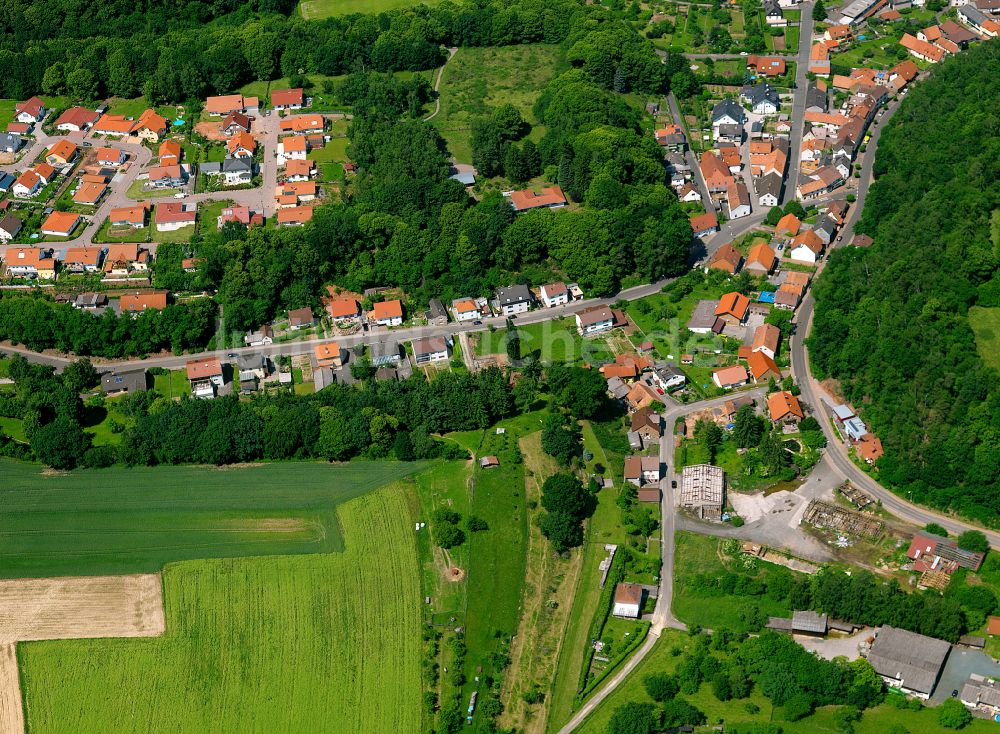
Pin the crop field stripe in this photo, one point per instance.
(286, 644)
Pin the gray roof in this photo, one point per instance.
(974, 14)
(6, 181)
(429, 345)
(815, 98)
(771, 7)
(808, 621)
(727, 107)
(669, 370)
(129, 381)
(769, 184)
(436, 309)
(979, 690)
(731, 131)
(760, 92)
(11, 140)
(322, 377)
(825, 223)
(617, 387)
(382, 353)
(250, 362)
(91, 300)
(237, 165)
(211, 167)
(10, 224)
(514, 294)
(914, 660)
(703, 315)
(465, 177)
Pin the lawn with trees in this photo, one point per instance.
(892, 321)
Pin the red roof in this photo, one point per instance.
(528, 199)
(33, 107)
(286, 97)
(733, 304)
(168, 212)
(77, 116)
(342, 308)
(199, 369)
(384, 310)
(136, 302)
(703, 222)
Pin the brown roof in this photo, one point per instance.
(138, 301)
(906, 69)
(32, 106)
(767, 336)
(628, 594)
(82, 255)
(79, 116)
(236, 118)
(869, 447)
(780, 404)
(300, 316)
(726, 258)
(168, 212)
(120, 253)
(595, 315)
(993, 626)
(911, 43)
(199, 369)
(528, 199)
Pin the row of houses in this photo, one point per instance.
(115, 262)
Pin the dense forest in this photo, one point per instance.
(170, 52)
(892, 321)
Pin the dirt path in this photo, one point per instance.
(70, 608)
(550, 583)
(437, 84)
(11, 715)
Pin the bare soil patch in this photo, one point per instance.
(211, 130)
(11, 713)
(76, 607)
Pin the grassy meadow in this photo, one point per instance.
(318, 643)
(478, 79)
(319, 9)
(121, 520)
(985, 323)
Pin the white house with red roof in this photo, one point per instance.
(30, 111)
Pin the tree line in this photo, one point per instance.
(892, 321)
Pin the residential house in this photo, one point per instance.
(302, 124)
(385, 353)
(715, 172)
(76, 119)
(114, 126)
(641, 395)
(641, 470)
(60, 224)
(89, 193)
(240, 215)
(772, 14)
(130, 216)
(667, 376)
(233, 171)
(167, 177)
(20, 128)
(784, 408)
(908, 661)
(328, 355)
(62, 153)
(295, 216)
(297, 191)
(150, 126)
(806, 247)
(816, 100)
(287, 99)
(173, 215)
(921, 49)
(819, 57)
(727, 112)
(595, 321)
(344, 309)
(466, 309)
(738, 200)
(28, 184)
(687, 193)
(117, 382)
(766, 339)
(648, 425)
(554, 294)
(136, 302)
(981, 694)
(110, 157)
(732, 308)
(552, 197)
(703, 489)
(727, 259)
(703, 225)
(788, 225)
(386, 313)
(206, 376)
(703, 319)
(769, 189)
(731, 377)
(514, 299)
(251, 369)
(672, 138)
(224, 104)
(121, 260)
(236, 122)
(628, 601)
(838, 33)
(762, 98)
(869, 448)
(761, 259)
(763, 368)
(825, 228)
(769, 66)
(294, 147)
(30, 111)
(242, 145)
(9, 228)
(976, 19)
(788, 296)
(430, 349)
(30, 262)
(82, 259)
(297, 170)
(437, 314)
(300, 318)
(10, 143)
(259, 338)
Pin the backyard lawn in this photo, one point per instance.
(330, 159)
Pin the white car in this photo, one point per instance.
(180, 195)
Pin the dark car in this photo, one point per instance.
(954, 693)
(673, 484)
(232, 355)
(477, 322)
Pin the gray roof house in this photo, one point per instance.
(10, 143)
(514, 299)
(235, 170)
(762, 97)
(437, 314)
(728, 111)
(815, 98)
(385, 353)
(907, 660)
(825, 228)
(9, 227)
(130, 381)
(769, 189)
(6, 181)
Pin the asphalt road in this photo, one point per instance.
(799, 101)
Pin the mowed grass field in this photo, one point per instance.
(319, 9)
(476, 80)
(985, 323)
(120, 520)
(318, 643)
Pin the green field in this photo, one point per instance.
(330, 159)
(320, 643)
(6, 112)
(549, 341)
(319, 9)
(477, 80)
(121, 520)
(985, 323)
